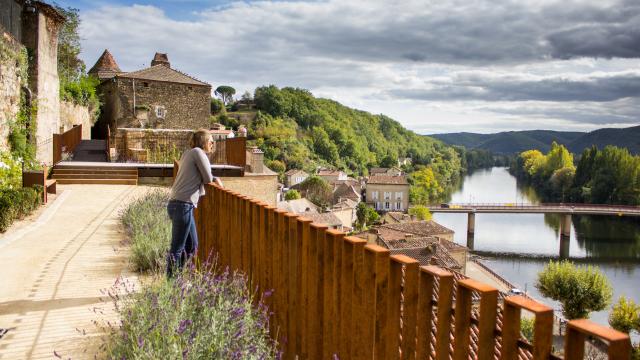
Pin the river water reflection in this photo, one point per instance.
(517, 246)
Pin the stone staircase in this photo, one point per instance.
(81, 174)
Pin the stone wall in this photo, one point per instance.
(164, 143)
(185, 106)
(73, 114)
(260, 187)
(9, 86)
(40, 33)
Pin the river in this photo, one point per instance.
(517, 246)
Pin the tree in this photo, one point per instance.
(421, 212)
(389, 161)
(70, 66)
(217, 107)
(292, 194)
(561, 181)
(317, 190)
(425, 187)
(366, 215)
(580, 290)
(225, 93)
(323, 146)
(625, 315)
(246, 96)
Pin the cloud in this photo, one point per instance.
(517, 52)
(487, 86)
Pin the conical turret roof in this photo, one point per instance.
(106, 66)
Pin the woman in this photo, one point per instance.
(194, 171)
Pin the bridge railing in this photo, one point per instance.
(336, 295)
(576, 206)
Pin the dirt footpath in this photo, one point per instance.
(52, 271)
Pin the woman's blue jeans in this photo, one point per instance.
(184, 238)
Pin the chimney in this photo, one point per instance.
(160, 59)
(256, 160)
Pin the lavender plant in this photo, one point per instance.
(199, 315)
(148, 229)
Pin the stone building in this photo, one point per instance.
(157, 97)
(388, 193)
(294, 177)
(35, 26)
(426, 241)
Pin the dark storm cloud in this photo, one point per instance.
(556, 89)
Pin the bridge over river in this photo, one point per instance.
(564, 209)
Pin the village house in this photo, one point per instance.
(157, 97)
(298, 206)
(345, 210)
(220, 132)
(294, 177)
(332, 175)
(346, 191)
(421, 240)
(388, 193)
(396, 217)
(33, 25)
(394, 171)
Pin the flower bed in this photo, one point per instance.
(199, 315)
(148, 228)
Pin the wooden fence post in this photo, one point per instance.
(486, 319)
(403, 296)
(577, 331)
(376, 283)
(303, 267)
(428, 275)
(543, 327)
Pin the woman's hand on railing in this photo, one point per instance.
(218, 182)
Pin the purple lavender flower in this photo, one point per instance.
(183, 326)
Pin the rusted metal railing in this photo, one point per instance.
(336, 295)
(66, 142)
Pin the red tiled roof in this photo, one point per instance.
(327, 218)
(388, 179)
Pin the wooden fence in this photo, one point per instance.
(66, 142)
(336, 295)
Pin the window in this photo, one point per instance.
(387, 195)
(160, 112)
(374, 195)
(399, 205)
(399, 196)
(145, 84)
(386, 205)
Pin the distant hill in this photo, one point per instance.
(510, 142)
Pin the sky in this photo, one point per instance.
(436, 66)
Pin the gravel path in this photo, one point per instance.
(52, 271)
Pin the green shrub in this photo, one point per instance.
(199, 315)
(580, 290)
(148, 227)
(17, 203)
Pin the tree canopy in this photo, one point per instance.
(580, 290)
(421, 212)
(307, 132)
(317, 190)
(366, 215)
(608, 176)
(225, 92)
(292, 194)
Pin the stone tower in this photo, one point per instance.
(106, 67)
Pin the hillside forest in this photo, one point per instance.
(607, 176)
(299, 131)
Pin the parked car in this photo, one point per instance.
(444, 205)
(516, 291)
